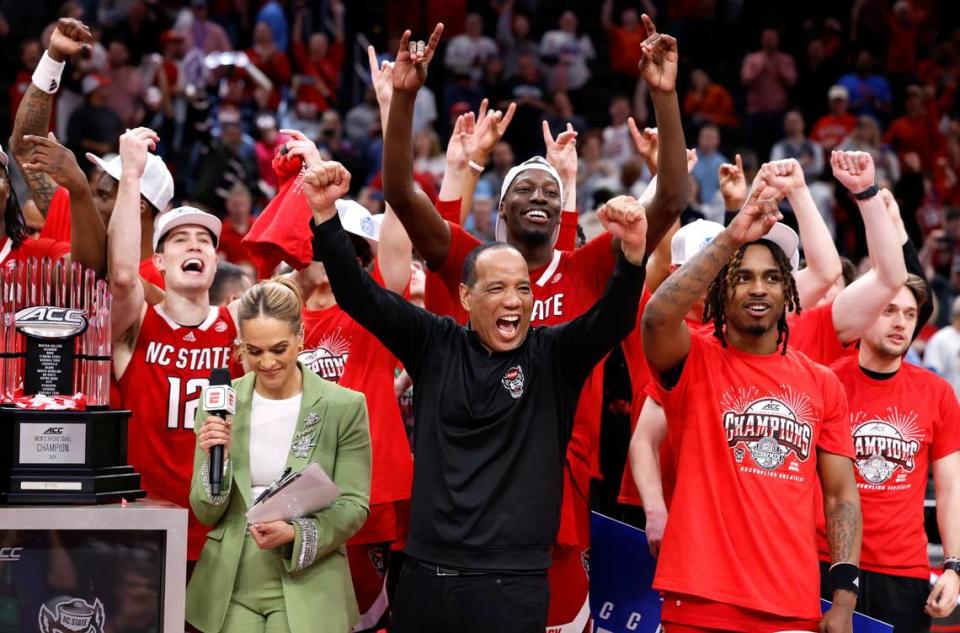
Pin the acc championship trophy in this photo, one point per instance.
(59, 441)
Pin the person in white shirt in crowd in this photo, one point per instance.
(566, 54)
(943, 349)
(467, 52)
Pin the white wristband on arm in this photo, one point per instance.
(47, 75)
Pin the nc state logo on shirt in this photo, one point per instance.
(513, 381)
(885, 443)
(221, 326)
(769, 426)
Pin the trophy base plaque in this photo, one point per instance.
(65, 457)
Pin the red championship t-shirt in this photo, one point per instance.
(899, 426)
(161, 387)
(338, 349)
(748, 430)
(564, 289)
(57, 225)
(812, 332)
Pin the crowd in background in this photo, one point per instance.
(219, 79)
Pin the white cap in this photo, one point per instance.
(358, 220)
(788, 241)
(182, 216)
(838, 92)
(691, 239)
(537, 162)
(156, 183)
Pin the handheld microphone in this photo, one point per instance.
(219, 399)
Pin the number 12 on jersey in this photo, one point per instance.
(183, 402)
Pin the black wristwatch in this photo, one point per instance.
(867, 193)
(952, 563)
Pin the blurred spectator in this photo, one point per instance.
(30, 54)
(708, 102)
(273, 62)
(270, 140)
(339, 148)
(466, 53)
(797, 145)
(869, 92)
(228, 159)
(593, 170)
(501, 160)
(125, 89)
(617, 142)
(272, 14)
(816, 75)
(480, 222)
(563, 113)
(902, 44)
(709, 160)
(830, 130)
(624, 41)
(866, 137)
(318, 64)
(229, 282)
(141, 29)
(916, 131)
(94, 127)
(565, 55)
(942, 352)
(428, 156)
(236, 224)
(947, 171)
(513, 37)
(493, 83)
(767, 75)
(528, 91)
(424, 109)
(363, 119)
(205, 34)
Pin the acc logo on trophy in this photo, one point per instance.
(51, 321)
(72, 615)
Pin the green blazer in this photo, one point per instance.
(332, 431)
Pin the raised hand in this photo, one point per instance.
(491, 126)
(647, 142)
(758, 214)
(300, 145)
(68, 38)
(658, 59)
(323, 185)
(786, 175)
(458, 147)
(625, 218)
(381, 76)
(854, 170)
(134, 146)
(410, 68)
(562, 152)
(733, 184)
(893, 211)
(691, 160)
(55, 160)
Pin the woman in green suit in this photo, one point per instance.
(283, 575)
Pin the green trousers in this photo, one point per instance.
(256, 605)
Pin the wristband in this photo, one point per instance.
(952, 563)
(475, 166)
(47, 75)
(867, 193)
(845, 576)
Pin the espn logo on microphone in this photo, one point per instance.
(220, 398)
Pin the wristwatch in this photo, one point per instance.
(952, 563)
(867, 193)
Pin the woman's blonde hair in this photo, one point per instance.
(278, 298)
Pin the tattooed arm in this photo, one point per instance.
(841, 506)
(33, 115)
(666, 340)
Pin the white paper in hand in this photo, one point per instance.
(308, 491)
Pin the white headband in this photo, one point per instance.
(537, 162)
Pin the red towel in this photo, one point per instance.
(280, 233)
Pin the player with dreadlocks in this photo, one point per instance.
(713, 307)
(755, 424)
